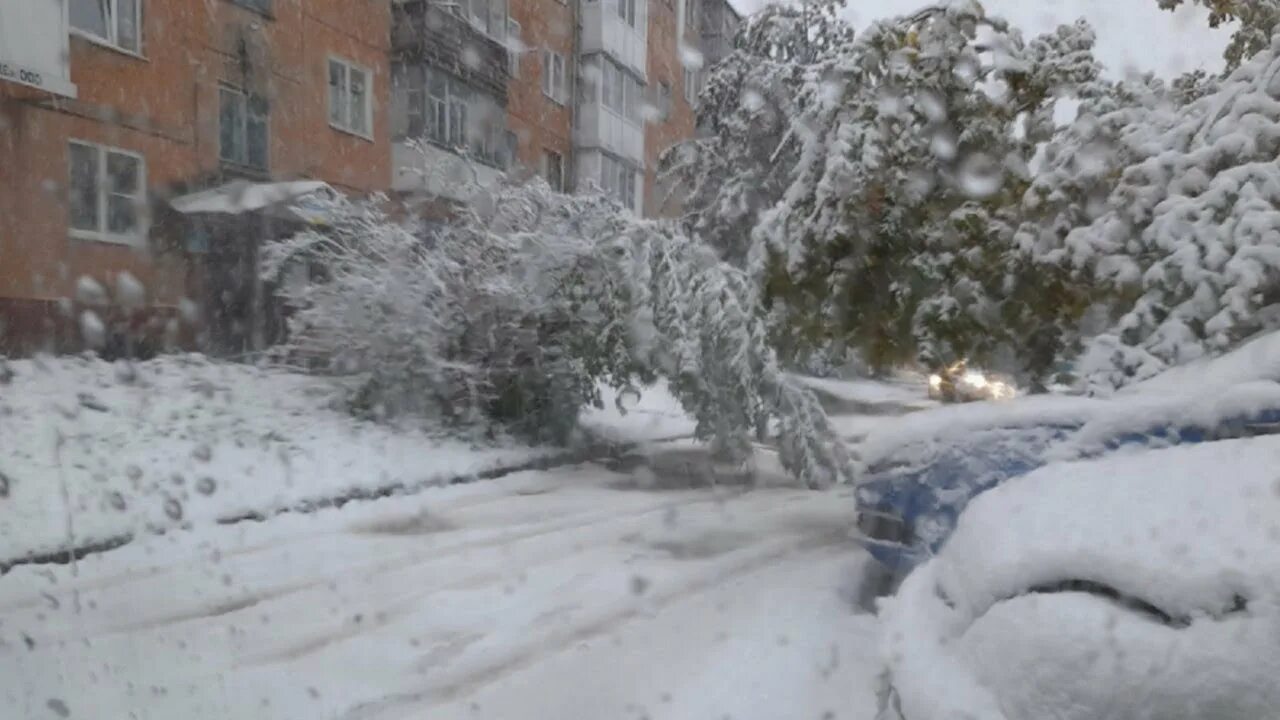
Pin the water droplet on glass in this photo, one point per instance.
(206, 486)
(943, 143)
(92, 330)
(116, 500)
(691, 57)
(129, 292)
(979, 176)
(58, 707)
(202, 452)
(932, 106)
(90, 292)
(173, 509)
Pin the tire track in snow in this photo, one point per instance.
(562, 640)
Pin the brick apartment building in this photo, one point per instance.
(164, 140)
(123, 107)
(586, 93)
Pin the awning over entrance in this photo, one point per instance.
(299, 200)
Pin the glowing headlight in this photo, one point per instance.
(935, 381)
(1001, 391)
(976, 380)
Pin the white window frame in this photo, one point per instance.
(344, 124)
(618, 180)
(244, 130)
(553, 76)
(629, 91)
(628, 12)
(546, 156)
(692, 80)
(138, 238)
(112, 38)
(512, 45)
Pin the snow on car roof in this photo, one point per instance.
(956, 421)
(1192, 532)
(1258, 359)
(1188, 529)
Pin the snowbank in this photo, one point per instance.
(94, 452)
(1189, 531)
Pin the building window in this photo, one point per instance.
(692, 78)
(513, 48)
(553, 80)
(429, 103)
(487, 16)
(690, 14)
(553, 169)
(620, 91)
(618, 180)
(408, 109)
(512, 149)
(349, 106)
(107, 193)
(627, 11)
(262, 6)
(116, 22)
(242, 128)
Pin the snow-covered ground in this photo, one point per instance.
(537, 595)
(571, 592)
(94, 451)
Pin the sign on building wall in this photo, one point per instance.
(34, 45)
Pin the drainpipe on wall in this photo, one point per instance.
(571, 169)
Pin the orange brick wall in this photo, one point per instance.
(664, 65)
(164, 106)
(538, 122)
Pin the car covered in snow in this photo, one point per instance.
(1135, 585)
(923, 470)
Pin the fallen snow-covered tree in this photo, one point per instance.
(509, 317)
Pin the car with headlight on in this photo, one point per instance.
(922, 470)
(1136, 585)
(959, 383)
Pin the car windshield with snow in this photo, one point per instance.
(639, 359)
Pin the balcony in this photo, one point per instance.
(605, 31)
(436, 172)
(422, 30)
(602, 128)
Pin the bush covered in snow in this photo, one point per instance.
(510, 317)
(1189, 241)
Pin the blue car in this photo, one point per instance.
(914, 493)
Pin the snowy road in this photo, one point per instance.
(540, 595)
